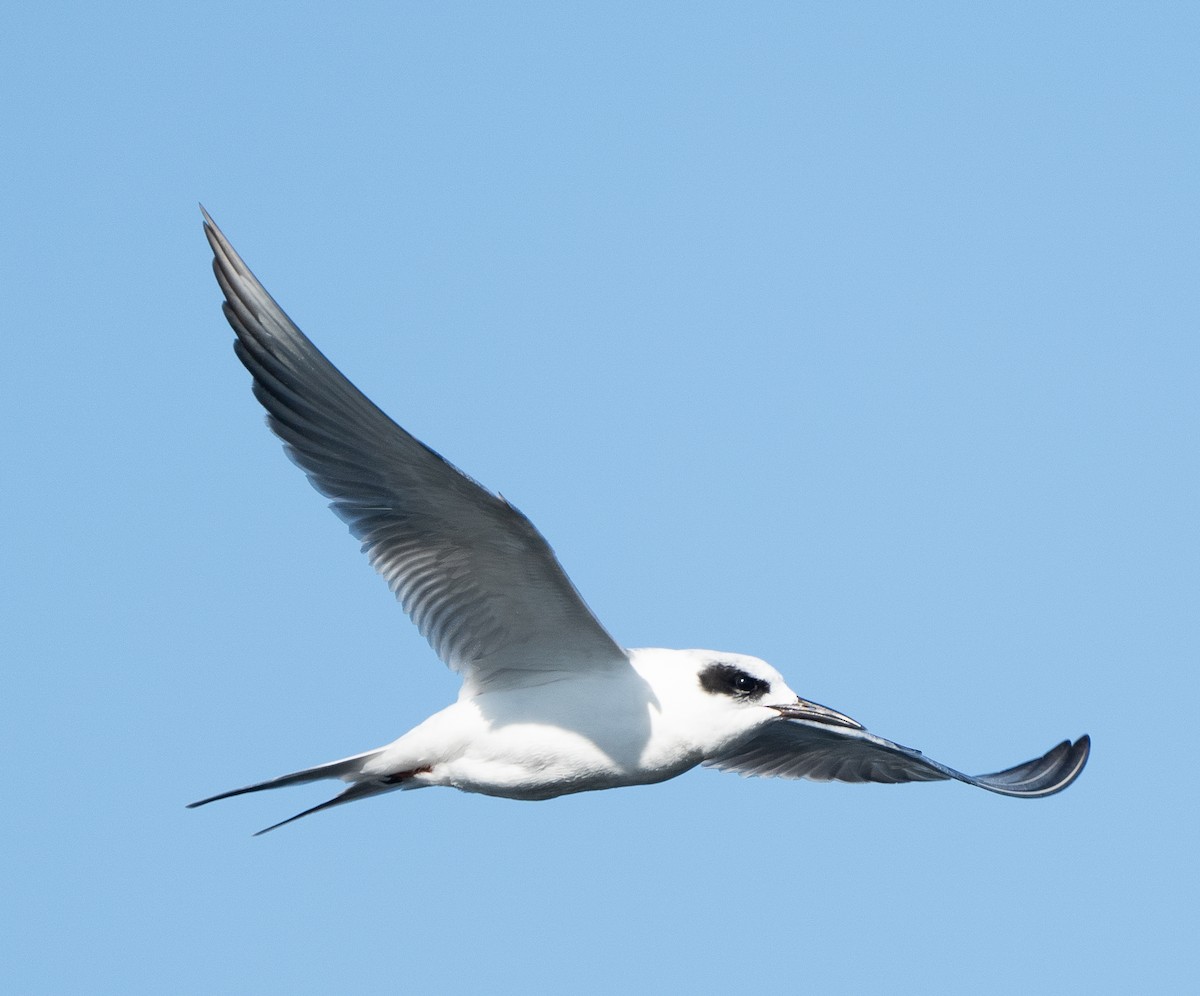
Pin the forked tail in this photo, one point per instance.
(347, 769)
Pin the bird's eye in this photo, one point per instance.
(728, 679)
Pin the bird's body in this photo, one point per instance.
(648, 723)
(551, 739)
(550, 703)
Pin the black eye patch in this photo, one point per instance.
(729, 679)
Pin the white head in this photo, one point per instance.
(722, 698)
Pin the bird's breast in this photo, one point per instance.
(537, 744)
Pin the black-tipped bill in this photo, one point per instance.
(803, 709)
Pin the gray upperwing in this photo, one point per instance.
(475, 576)
(800, 749)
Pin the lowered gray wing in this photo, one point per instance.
(475, 576)
(798, 749)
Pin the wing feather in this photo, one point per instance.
(801, 749)
(479, 581)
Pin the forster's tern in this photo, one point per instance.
(550, 703)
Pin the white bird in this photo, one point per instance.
(550, 703)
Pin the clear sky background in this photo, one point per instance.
(860, 337)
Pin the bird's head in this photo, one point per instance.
(726, 697)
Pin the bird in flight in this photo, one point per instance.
(550, 703)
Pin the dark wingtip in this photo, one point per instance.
(1082, 750)
(1046, 775)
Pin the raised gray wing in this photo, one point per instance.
(798, 749)
(479, 581)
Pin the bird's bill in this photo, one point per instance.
(814, 713)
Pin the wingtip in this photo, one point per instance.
(1044, 776)
(1072, 759)
(1083, 750)
(1077, 754)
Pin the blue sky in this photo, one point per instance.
(862, 338)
